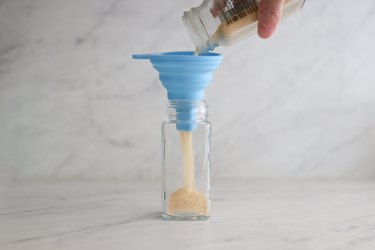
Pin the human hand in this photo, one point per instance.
(269, 14)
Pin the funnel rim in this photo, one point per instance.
(180, 55)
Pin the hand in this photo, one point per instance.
(269, 14)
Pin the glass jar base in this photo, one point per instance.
(184, 217)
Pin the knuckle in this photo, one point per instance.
(269, 15)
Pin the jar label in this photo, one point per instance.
(236, 9)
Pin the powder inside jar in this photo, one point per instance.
(187, 200)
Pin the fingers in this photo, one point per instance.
(269, 15)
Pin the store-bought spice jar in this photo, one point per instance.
(225, 22)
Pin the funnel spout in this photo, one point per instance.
(183, 75)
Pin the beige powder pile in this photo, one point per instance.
(187, 201)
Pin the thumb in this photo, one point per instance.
(269, 14)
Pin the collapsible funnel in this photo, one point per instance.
(185, 77)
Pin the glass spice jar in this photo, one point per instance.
(225, 22)
(186, 140)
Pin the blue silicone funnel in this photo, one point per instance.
(185, 77)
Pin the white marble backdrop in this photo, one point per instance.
(73, 104)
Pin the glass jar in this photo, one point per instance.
(224, 22)
(186, 137)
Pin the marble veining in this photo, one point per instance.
(73, 104)
(317, 215)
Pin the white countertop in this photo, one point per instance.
(245, 215)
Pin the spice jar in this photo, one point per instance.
(186, 136)
(225, 22)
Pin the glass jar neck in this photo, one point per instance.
(186, 111)
(195, 21)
